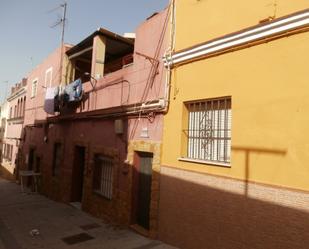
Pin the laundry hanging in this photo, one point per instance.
(50, 100)
(74, 91)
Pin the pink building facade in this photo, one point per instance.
(102, 149)
(13, 128)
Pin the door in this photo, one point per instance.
(31, 159)
(78, 174)
(142, 188)
(31, 162)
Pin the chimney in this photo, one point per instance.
(24, 82)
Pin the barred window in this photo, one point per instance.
(103, 176)
(209, 130)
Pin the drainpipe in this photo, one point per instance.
(163, 104)
(168, 55)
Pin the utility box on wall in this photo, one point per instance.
(119, 126)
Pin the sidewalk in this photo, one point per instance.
(59, 225)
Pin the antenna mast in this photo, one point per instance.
(62, 21)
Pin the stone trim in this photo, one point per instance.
(156, 149)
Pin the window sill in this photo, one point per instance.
(220, 164)
(101, 195)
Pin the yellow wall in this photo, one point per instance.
(269, 85)
(198, 21)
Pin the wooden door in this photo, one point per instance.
(142, 188)
(78, 174)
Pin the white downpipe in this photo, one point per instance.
(168, 54)
(162, 104)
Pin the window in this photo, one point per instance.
(24, 107)
(48, 77)
(34, 88)
(103, 176)
(18, 106)
(57, 158)
(208, 133)
(8, 152)
(11, 153)
(5, 151)
(15, 111)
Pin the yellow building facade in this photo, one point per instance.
(235, 170)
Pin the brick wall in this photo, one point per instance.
(205, 211)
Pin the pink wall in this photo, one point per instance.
(34, 105)
(132, 80)
(131, 85)
(94, 131)
(135, 76)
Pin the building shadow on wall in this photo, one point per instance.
(5, 174)
(249, 151)
(207, 211)
(217, 214)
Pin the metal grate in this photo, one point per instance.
(76, 239)
(209, 130)
(103, 176)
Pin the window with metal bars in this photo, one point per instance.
(209, 130)
(103, 176)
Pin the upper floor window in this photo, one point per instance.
(34, 88)
(15, 111)
(208, 132)
(48, 77)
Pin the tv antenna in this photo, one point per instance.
(61, 22)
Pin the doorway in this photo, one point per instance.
(142, 179)
(78, 174)
(31, 166)
(31, 159)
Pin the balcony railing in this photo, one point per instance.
(118, 64)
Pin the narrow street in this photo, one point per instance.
(31, 221)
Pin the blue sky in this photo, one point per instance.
(26, 37)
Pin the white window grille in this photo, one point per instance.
(209, 130)
(103, 176)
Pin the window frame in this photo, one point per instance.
(108, 182)
(219, 132)
(48, 71)
(35, 83)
